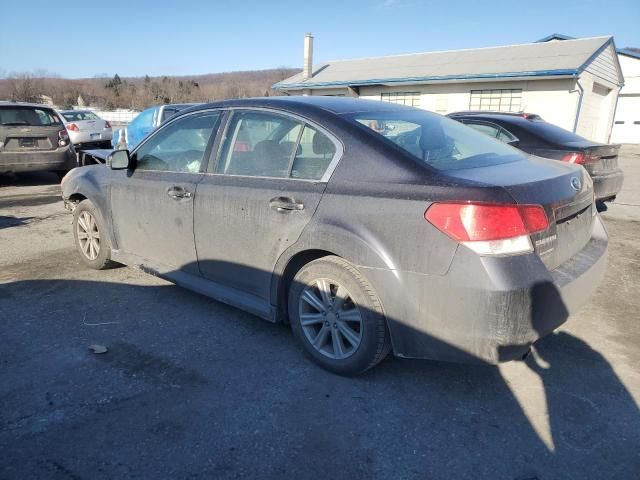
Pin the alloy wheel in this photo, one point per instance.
(88, 235)
(330, 319)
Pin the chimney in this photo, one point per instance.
(307, 67)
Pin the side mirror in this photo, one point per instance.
(119, 160)
(514, 142)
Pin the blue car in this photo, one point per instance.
(145, 123)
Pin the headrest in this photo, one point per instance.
(432, 137)
(322, 145)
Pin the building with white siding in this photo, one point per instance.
(572, 83)
(626, 125)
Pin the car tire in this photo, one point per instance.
(91, 236)
(337, 316)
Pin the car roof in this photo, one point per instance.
(336, 105)
(5, 103)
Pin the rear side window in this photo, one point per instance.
(30, 116)
(264, 144)
(313, 155)
(167, 113)
(484, 128)
(438, 141)
(259, 144)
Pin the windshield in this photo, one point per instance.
(440, 142)
(31, 116)
(79, 116)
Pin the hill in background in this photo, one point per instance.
(138, 93)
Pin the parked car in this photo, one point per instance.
(32, 138)
(145, 122)
(449, 246)
(530, 133)
(86, 129)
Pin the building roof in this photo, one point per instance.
(628, 53)
(560, 36)
(540, 59)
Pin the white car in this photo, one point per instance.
(86, 129)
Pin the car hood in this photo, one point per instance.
(99, 153)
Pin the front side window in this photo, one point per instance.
(180, 146)
(440, 142)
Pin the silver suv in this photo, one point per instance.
(33, 137)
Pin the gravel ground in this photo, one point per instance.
(191, 388)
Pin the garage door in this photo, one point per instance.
(626, 127)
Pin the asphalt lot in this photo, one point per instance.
(191, 388)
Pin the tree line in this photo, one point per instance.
(137, 93)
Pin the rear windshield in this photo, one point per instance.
(552, 133)
(31, 116)
(79, 116)
(438, 141)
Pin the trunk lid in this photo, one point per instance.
(22, 138)
(602, 159)
(90, 126)
(564, 190)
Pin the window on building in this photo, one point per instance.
(497, 100)
(411, 99)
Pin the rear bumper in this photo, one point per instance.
(99, 144)
(52, 160)
(79, 138)
(486, 309)
(607, 186)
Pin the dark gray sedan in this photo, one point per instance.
(367, 226)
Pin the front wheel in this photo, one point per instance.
(338, 317)
(91, 237)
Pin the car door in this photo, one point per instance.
(152, 206)
(269, 177)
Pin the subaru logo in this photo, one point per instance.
(576, 184)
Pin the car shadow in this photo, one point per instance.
(192, 388)
(29, 179)
(8, 221)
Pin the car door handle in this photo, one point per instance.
(285, 204)
(178, 193)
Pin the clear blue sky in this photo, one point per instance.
(138, 37)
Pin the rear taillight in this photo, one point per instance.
(73, 127)
(107, 124)
(580, 158)
(63, 138)
(574, 157)
(489, 229)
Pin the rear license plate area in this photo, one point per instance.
(95, 136)
(28, 143)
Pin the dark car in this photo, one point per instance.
(530, 133)
(421, 235)
(33, 137)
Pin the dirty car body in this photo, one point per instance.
(415, 202)
(33, 138)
